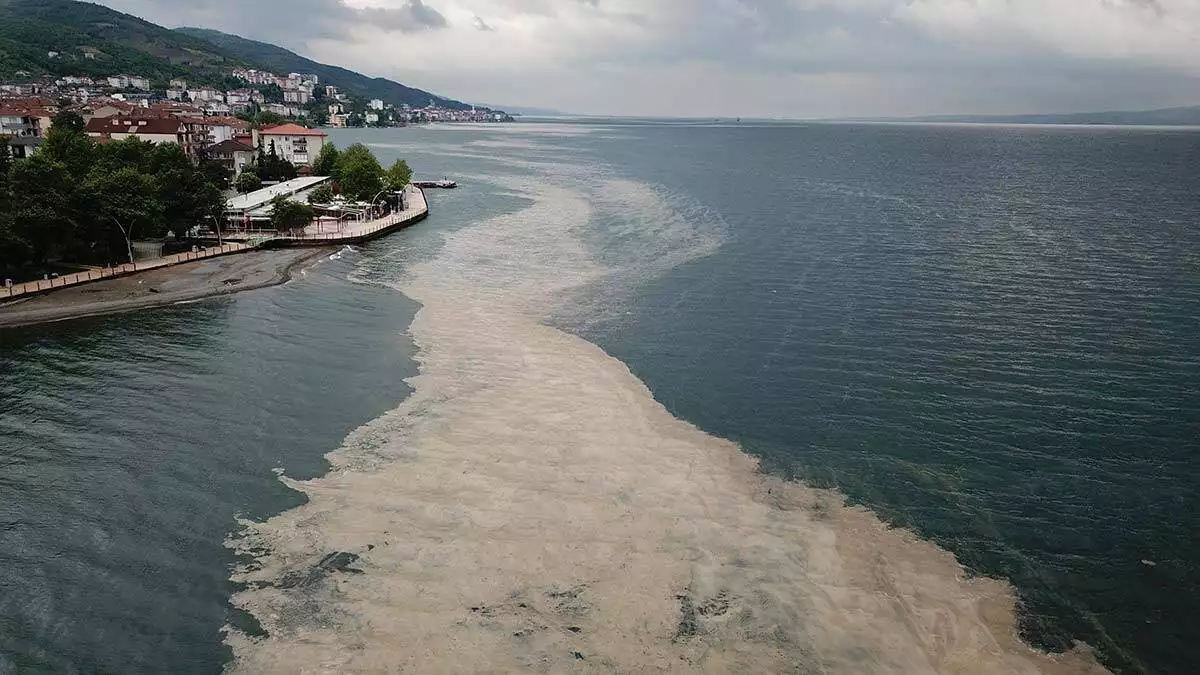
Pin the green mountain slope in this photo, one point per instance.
(280, 60)
(124, 44)
(30, 29)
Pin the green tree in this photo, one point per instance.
(326, 162)
(67, 143)
(5, 168)
(398, 176)
(42, 213)
(186, 194)
(273, 93)
(322, 195)
(270, 166)
(290, 216)
(69, 120)
(248, 181)
(266, 118)
(14, 249)
(128, 200)
(216, 173)
(359, 173)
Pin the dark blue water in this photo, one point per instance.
(989, 335)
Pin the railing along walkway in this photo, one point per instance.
(18, 290)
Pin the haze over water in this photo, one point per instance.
(987, 335)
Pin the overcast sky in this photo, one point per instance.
(768, 58)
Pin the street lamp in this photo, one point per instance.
(377, 196)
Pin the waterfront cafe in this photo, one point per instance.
(252, 211)
(250, 214)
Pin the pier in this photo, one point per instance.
(445, 184)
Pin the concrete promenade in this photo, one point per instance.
(353, 232)
(314, 235)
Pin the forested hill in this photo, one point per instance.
(277, 59)
(123, 44)
(119, 44)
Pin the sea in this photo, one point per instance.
(985, 336)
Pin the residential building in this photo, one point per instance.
(206, 94)
(179, 83)
(153, 129)
(376, 104)
(339, 121)
(239, 96)
(371, 118)
(285, 110)
(231, 154)
(26, 118)
(255, 76)
(331, 91)
(105, 108)
(16, 123)
(292, 142)
(25, 146)
(298, 96)
(138, 82)
(176, 94)
(197, 134)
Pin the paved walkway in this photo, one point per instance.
(352, 230)
(349, 231)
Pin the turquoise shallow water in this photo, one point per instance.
(989, 335)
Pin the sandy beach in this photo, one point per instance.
(160, 287)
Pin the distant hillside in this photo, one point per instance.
(277, 59)
(124, 44)
(120, 43)
(1185, 116)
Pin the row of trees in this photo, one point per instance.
(358, 174)
(82, 202)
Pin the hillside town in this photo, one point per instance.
(229, 125)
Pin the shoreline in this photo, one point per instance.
(185, 282)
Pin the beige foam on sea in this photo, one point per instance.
(532, 508)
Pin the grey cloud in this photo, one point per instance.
(415, 15)
(288, 23)
(885, 58)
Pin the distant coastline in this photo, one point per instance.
(1186, 116)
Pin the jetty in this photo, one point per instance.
(445, 184)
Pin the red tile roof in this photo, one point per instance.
(235, 122)
(290, 130)
(230, 147)
(134, 125)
